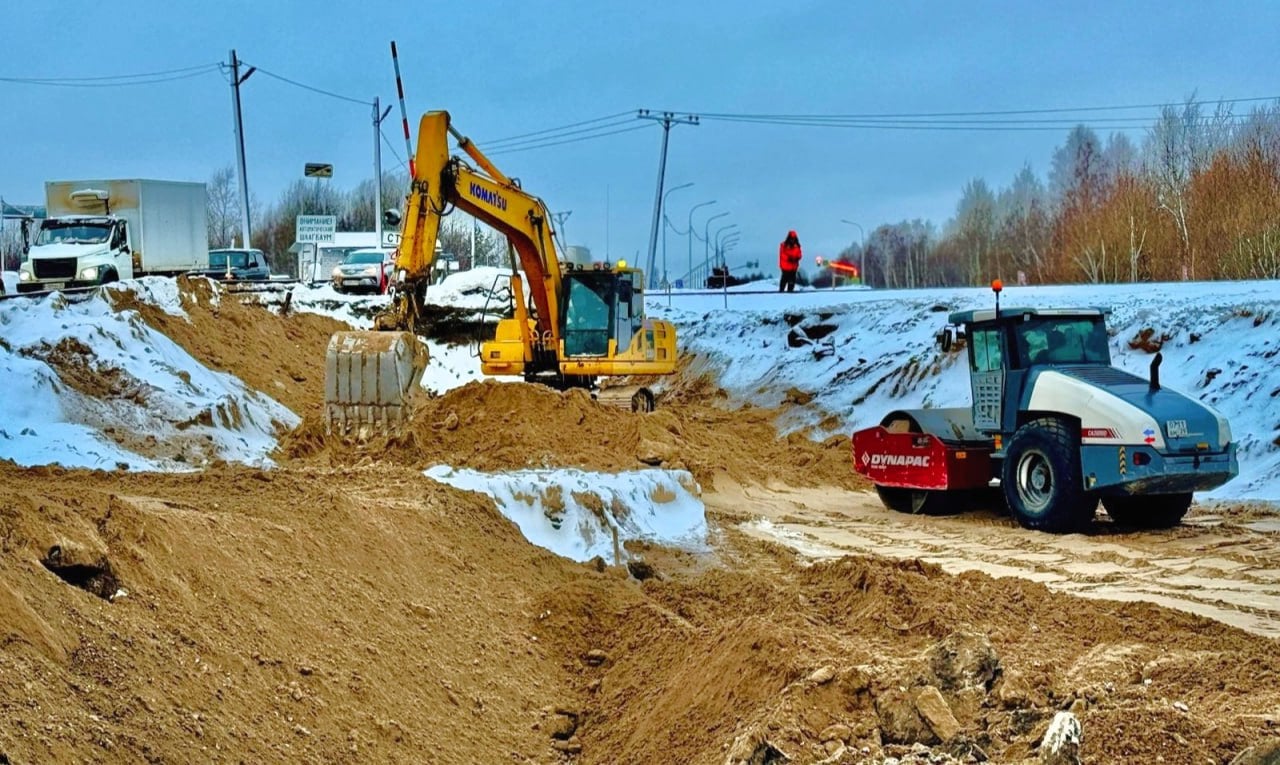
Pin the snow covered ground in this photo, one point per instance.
(875, 351)
(581, 514)
(87, 386)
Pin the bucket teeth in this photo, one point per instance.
(369, 381)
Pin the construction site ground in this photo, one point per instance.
(342, 607)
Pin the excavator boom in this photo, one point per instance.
(582, 324)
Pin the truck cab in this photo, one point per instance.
(76, 251)
(101, 231)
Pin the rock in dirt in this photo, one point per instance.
(837, 732)
(1265, 753)
(900, 723)
(563, 726)
(936, 713)
(963, 660)
(595, 657)
(822, 675)
(568, 747)
(1061, 744)
(797, 396)
(652, 452)
(754, 749)
(641, 570)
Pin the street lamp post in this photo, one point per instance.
(720, 231)
(706, 237)
(664, 230)
(725, 243)
(689, 231)
(862, 249)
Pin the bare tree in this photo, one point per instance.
(975, 228)
(1180, 145)
(222, 202)
(1078, 172)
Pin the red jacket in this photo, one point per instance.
(789, 257)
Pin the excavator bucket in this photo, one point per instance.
(369, 381)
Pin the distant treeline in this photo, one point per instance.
(1198, 200)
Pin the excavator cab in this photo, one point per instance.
(601, 306)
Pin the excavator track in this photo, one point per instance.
(632, 398)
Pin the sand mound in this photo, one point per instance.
(494, 426)
(372, 615)
(281, 356)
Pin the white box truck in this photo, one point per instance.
(103, 231)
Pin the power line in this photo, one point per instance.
(998, 113)
(606, 118)
(943, 126)
(394, 153)
(563, 134)
(113, 81)
(314, 89)
(570, 140)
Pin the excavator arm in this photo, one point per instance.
(599, 331)
(442, 181)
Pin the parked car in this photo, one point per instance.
(364, 271)
(237, 265)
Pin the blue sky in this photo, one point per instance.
(504, 69)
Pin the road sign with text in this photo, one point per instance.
(318, 229)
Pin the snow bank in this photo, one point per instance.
(863, 353)
(581, 514)
(88, 386)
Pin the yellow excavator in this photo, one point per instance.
(587, 321)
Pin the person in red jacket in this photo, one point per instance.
(789, 262)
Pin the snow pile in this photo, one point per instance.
(863, 353)
(484, 289)
(580, 515)
(92, 387)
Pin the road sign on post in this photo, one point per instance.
(317, 170)
(316, 229)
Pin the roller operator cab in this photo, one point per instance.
(1056, 424)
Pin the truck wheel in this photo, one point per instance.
(1149, 511)
(916, 501)
(1041, 478)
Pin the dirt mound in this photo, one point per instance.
(281, 356)
(859, 658)
(371, 615)
(80, 369)
(498, 426)
(362, 616)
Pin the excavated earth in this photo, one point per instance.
(344, 608)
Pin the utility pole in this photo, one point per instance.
(236, 81)
(667, 119)
(560, 218)
(378, 117)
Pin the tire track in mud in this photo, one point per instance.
(1226, 571)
